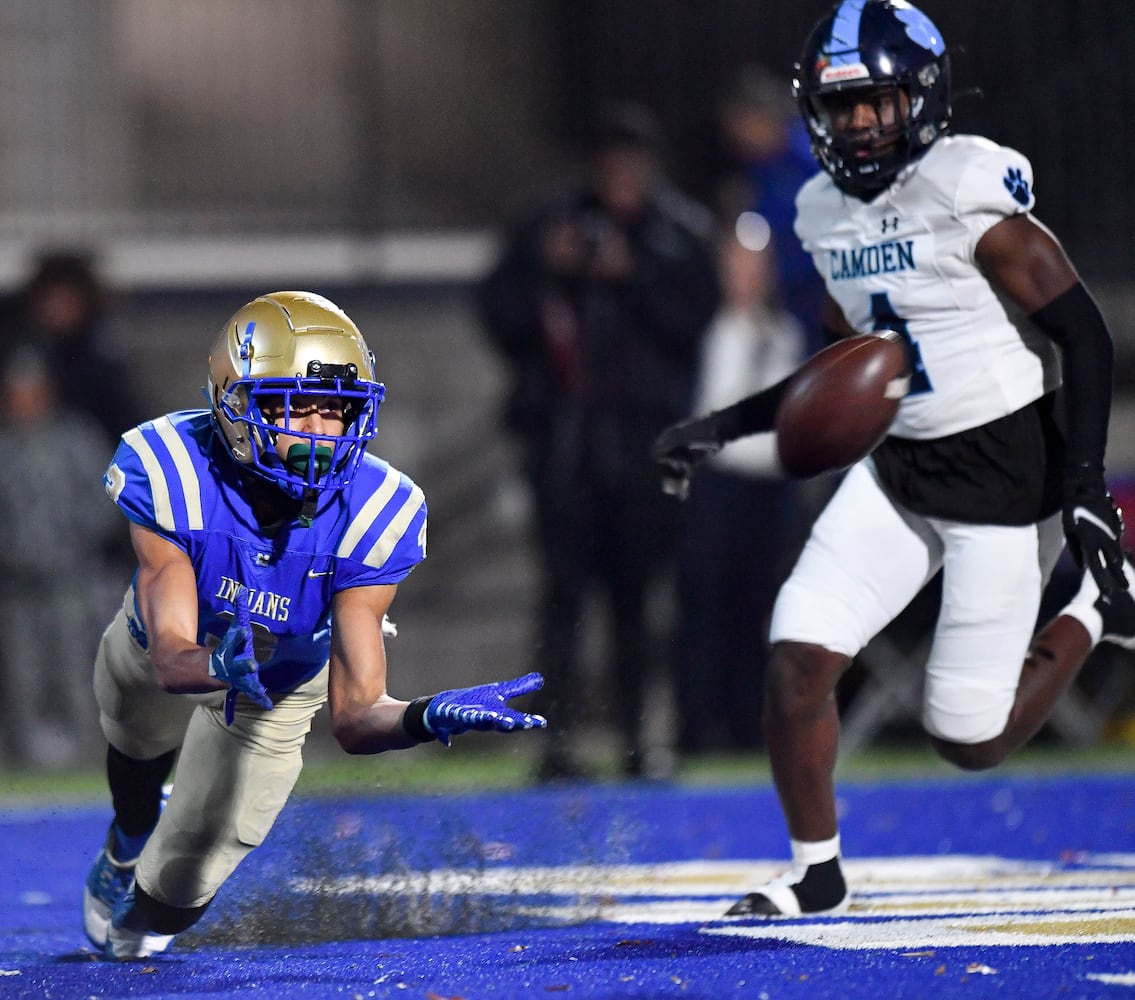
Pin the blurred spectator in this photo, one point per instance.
(770, 158)
(62, 312)
(53, 522)
(599, 303)
(743, 520)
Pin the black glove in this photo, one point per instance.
(1093, 528)
(680, 448)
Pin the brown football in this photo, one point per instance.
(840, 402)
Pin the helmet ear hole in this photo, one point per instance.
(928, 75)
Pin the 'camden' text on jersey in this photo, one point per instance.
(882, 258)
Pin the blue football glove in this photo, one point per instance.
(484, 707)
(234, 662)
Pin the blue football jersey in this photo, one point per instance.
(174, 476)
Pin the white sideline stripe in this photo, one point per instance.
(936, 901)
(655, 884)
(858, 935)
(910, 878)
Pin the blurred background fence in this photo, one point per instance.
(210, 150)
(159, 118)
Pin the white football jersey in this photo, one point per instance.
(905, 262)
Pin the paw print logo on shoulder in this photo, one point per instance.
(1017, 185)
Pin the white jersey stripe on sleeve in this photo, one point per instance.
(369, 513)
(159, 491)
(394, 531)
(190, 484)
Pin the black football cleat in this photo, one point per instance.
(815, 891)
(1116, 610)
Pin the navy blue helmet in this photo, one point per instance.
(891, 55)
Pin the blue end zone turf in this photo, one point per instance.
(974, 887)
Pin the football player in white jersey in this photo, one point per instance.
(270, 545)
(932, 236)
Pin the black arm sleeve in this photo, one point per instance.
(757, 413)
(1074, 322)
(752, 414)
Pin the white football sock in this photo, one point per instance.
(814, 852)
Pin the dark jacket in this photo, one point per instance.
(625, 350)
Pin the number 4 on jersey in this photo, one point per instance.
(886, 318)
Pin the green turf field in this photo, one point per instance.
(470, 767)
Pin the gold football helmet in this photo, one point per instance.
(278, 346)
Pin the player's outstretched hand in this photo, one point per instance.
(234, 662)
(1093, 529)
(680, 448)
(483, 707)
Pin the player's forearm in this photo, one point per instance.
(182, 667)
(365, 719)
(369, 728)
(1075, 322)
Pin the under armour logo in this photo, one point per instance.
(891, 225)
(1017, 186)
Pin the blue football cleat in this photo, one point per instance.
(108, 881)
(128, 937)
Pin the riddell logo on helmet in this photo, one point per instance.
(838, 74)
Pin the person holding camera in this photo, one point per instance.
(598, 303)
